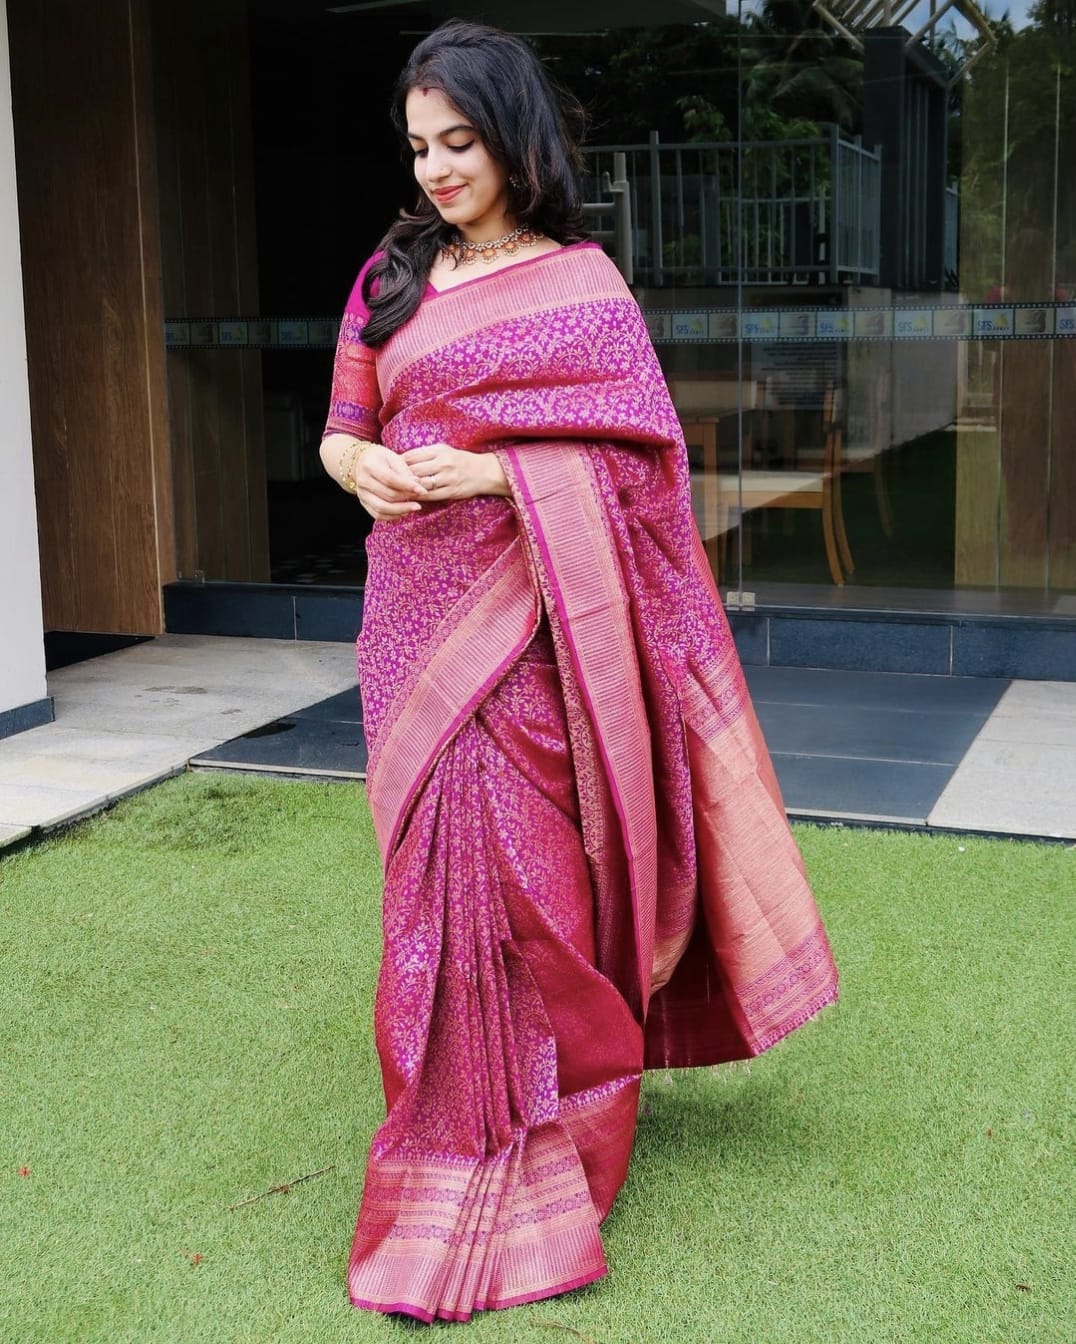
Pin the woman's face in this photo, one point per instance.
(453, 167)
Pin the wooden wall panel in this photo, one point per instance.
(87, 203)
(153, 298)
(1063, 456)
(1062, 523)
(1018, 219)
(209, 269)
(978, 483)
(250, 363)
(1024, 418)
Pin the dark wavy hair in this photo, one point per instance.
(530, 126)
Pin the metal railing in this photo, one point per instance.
(612, 215)
(766, 212)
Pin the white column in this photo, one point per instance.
(22, 652)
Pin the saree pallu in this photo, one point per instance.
(588, 870)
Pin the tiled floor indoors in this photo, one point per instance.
(959, 753)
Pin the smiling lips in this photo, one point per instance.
(447, 193)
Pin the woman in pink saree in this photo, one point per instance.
(588, 871)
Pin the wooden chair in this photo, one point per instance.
(868, 454)
(702, 404)
(722, 499)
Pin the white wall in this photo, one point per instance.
(22, 654)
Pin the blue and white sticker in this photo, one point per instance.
(761, 326)
(690, 326)
(913, 323)
(833, 325)
(993, 322)
(293, 332)
(232, 333)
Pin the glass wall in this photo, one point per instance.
(855, 247)
(856, 250)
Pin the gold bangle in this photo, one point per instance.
(347, 480)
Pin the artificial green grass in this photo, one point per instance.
(185, 1022)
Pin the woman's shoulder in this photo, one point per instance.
(585, 247)
(356, 302)
(595, 258)
(588, 261)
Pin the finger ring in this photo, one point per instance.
(433, 481)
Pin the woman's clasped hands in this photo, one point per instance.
(390, 485)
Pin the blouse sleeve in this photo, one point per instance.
(355, 400)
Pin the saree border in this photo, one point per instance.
(556, 485)
(471, 652)
(564, 279)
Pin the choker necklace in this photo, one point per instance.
(464, 253)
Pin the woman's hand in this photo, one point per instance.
(450, 473)
(385, 486)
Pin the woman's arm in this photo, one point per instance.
(338, 456)
(350, 453)
(450, 473)
(387, 484)
(381, 481)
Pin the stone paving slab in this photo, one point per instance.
(130, 718)
(33, 805)
(46, 807)
(1035, 711)
(133, 717)
(864, 747)
(57, 755)
(1019, 775)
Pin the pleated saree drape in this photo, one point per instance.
(587, 865)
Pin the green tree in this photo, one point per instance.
(679, 80)
(797, 69)
(1018, 130)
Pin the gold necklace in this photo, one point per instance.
(464, 253)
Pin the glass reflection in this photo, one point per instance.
(856, 248)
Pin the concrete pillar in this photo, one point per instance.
(24, 702)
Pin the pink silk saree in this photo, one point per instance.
(588, 870)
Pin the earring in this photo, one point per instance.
(514, 182)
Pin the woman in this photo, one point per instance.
(587, 865)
